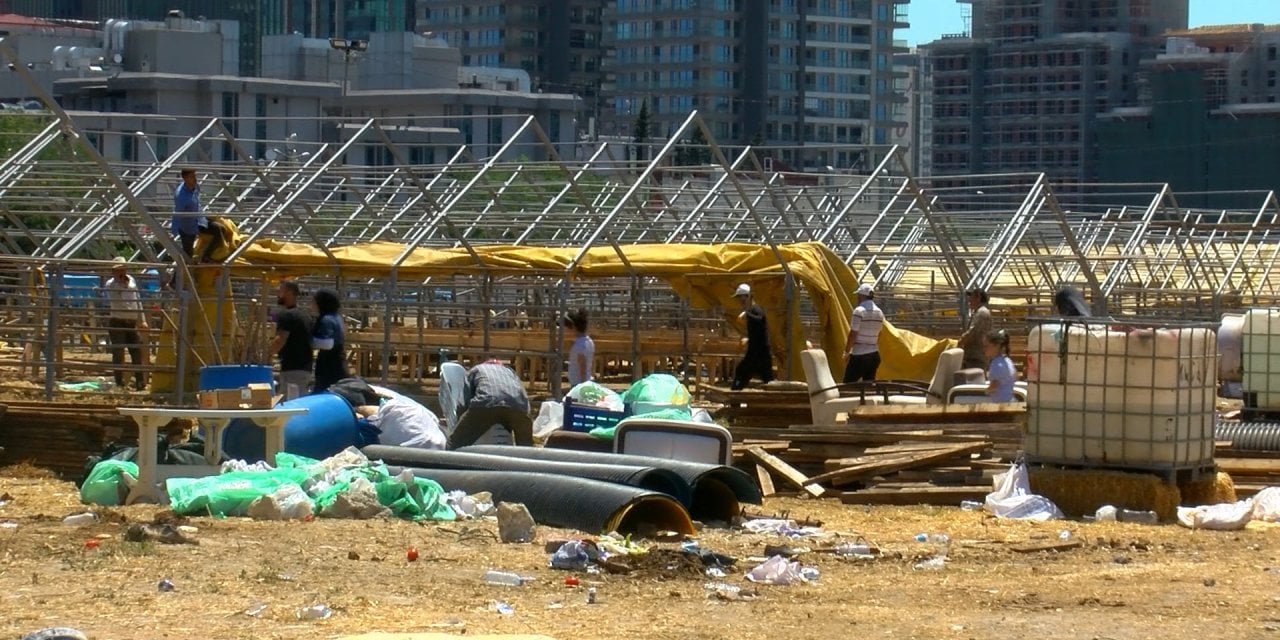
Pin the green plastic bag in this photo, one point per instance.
(423, 500)
(229, 494)
(657, 392)
(105, 485)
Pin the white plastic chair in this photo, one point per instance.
(453, 380)
(824, 394)
(674, 440)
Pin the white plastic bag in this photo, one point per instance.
(1229, 516)
(1266, 505)
(404, 422)
(289, 502)
(778, 570)
(1013, 499)
(550, 417)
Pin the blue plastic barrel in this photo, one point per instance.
(328, 426)
(234, 376)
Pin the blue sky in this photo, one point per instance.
(932, 18)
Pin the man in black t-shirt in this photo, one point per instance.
(293, 342)
(757, 362)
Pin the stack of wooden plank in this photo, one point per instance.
(59, 436)
(780, 403)
(888, 455)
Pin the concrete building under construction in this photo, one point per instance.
(1021, 90)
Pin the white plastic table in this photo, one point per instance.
(214, 421)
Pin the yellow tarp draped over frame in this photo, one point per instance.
(704, 274)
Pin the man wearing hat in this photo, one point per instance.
(126, 319)
(863, 344)
(757, 362)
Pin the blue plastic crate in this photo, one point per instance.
(582, 419)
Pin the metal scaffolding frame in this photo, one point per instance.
(64, 209)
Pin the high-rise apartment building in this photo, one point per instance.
(1022, 91)
(779, 72)
(558, 42)
(257, 18)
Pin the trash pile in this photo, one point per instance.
(1231, 516)
(346, 485)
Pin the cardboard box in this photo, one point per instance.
(254, 396)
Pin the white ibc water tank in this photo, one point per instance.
(1141, 398)
(1260, 358)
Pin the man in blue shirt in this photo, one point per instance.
(187, 221)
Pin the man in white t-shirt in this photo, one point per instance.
(863, 344)
(126, 321)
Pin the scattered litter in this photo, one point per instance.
(514, 522)
(241, 465)
(1012, 498)
(933, 563)
(315, 612)
(1064, 535)
(1105, 513)
(555, 605)
(614, 544)
(165, 534)
(1229, 516)
(91, 544)
(256, 610)
(504, 608)
(591, 595)
(779, 570)
(723, 589)
(411, 555)
(1143, 517)
(715, 572)
(935, 538)
(166, 586)
(5, 499)
(1210, 582)
(470, 506)
(771, 550)
(572, 581)
(80, 519)
(505, 578)
(970, 505)
(574, 555)
(8, 524)
(855, 550)
(781, 527)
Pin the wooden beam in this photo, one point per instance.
(854, 469)
(766, 481)
(937, 496)
(784, 471)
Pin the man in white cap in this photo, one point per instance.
(757, 362)
(126, 321)
(863, 344)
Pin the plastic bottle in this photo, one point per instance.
(1144, 517)
(80, 519)
(315, 612)
(849, 549)
(935, 538)
(504, 578)
(1105, 513)
(591, 595)
(971, 505)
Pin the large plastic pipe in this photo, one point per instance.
(328, 426)
(574, 503)
(717, 489)
(650, 478)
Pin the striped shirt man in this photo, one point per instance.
(867, 321)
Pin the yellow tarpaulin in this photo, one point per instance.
(706, 275)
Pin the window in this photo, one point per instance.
(128, 150)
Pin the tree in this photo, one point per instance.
(698, 152)
(642, 129)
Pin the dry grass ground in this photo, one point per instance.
(1127, 581)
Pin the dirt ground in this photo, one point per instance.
(1127, 581)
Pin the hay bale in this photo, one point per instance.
(1080, 492)
(1216, 490)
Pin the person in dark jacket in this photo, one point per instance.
(328, 338)
(757, 362)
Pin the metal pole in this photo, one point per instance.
(51, 331)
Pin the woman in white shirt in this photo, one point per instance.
(583, 352)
